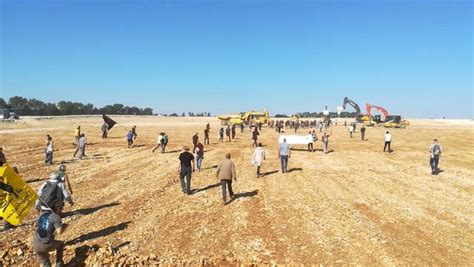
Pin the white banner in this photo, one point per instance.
(296, 139)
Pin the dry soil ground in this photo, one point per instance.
(356, 205)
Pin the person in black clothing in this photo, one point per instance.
(206, 136)
(260, 126)
(233, 131)
(255, 135)
(242, 127)
(221, 135)
(185, 170)
(195, 141)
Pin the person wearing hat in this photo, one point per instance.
(57, 187)
(185, 169)
(44, 239)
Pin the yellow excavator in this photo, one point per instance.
(246, 118)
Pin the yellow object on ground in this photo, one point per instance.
(14, 206)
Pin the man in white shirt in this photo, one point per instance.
(388, 142)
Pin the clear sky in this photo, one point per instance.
(412, 57)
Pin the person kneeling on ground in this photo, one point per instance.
(49, 224)
(225, 173)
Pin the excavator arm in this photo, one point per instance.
(369, 107)
(352, 103)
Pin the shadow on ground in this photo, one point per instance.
(88, 211)
(101, 233)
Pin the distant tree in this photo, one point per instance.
(147, 111)
(51, 110)
(19, 104)
(173, 115)
(281, 116)
(37, 107)
(184, 114)
(3, 104)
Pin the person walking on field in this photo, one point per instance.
(227, 134)
(311, 140)
(284, 154)
(388, 142)
(185, 170)
(242, 127)
(362, 132)
(199, 155)
(81, 146)
(351, 129)
(159, 143)
(195, 141)
(226, 173)
(435, 153)
(221, 135)
(49, 150)
(325, 140)
(164, 142)
(49, 225)
(258, 158)
(129, 138)
(233, 131)
(255, 135)
(206, 136)
(134, 132)
(105, 130)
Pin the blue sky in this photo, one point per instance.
(412, 57)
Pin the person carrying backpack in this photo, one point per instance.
(57, 187)
(49, 225)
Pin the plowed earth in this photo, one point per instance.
(355, 205)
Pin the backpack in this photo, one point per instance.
(164, 140)
(49, 193)
(43, 226)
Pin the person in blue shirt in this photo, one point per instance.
(130, 138)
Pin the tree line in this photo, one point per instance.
(34, 107)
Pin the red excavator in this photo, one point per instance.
(376, 118)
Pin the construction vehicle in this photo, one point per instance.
(395, 121)
(246, 118)
(370, 120)
(9, 114)
(352, 103)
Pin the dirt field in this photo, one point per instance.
(355, 205)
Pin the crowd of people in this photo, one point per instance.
(56, 191)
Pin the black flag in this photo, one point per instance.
(109, 121)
